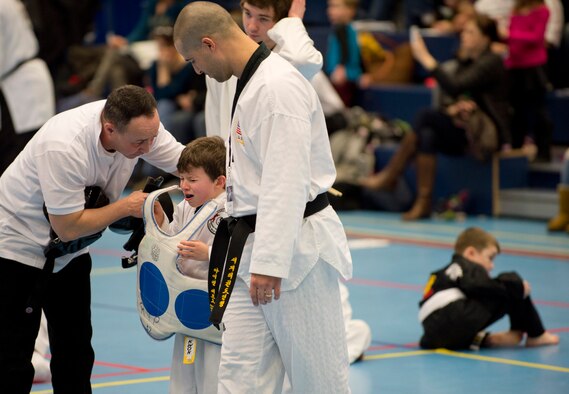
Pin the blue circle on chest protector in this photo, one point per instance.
(153, 289)
(192, 308)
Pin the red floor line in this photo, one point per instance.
(381, 283)
(125, 373)
(395, 239)
(120, 366)
(557, 304)
(447, 245)
(419, 288)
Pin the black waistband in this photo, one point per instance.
(319, 203)
(226, 253)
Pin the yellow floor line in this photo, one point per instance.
(117, 383)
(446, 352)
(443, 352)
(396, 355)
(502, 360)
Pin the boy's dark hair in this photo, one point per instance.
(128, 102)
(204, 152)
(475, 237)
(281, 7)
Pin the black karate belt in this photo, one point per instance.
(228, 244)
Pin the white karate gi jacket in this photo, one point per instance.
(278, 159)
(28, 90)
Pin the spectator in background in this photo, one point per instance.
(499, 10)
(461, 11)
(155, 13)
(474, 81)
(58, 25)
(27, 98)
(343, 61)
(104, 68)
(180, 92)
(561, 221)
(526, 61)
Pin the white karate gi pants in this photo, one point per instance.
(198, 377)
(302, 333)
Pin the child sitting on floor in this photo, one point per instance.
(461, 300)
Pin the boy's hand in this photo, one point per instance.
(195, 250)
(158, 213)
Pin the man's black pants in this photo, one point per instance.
(66, 301)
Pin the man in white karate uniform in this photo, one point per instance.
(279, 164)
(278, 24)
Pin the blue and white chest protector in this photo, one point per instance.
(170, 302)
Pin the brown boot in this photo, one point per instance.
(387, 177)
(426, 166)
(561, 221)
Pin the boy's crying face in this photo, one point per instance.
(197, 186)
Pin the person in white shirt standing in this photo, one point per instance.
(284, 313)
(27, 98)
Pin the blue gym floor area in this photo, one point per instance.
(392, 261)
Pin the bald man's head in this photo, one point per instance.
(201, 19)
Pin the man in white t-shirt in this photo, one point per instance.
(97, 144)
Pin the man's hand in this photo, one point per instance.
(262, 287)
(134, 203)
(89, 221)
